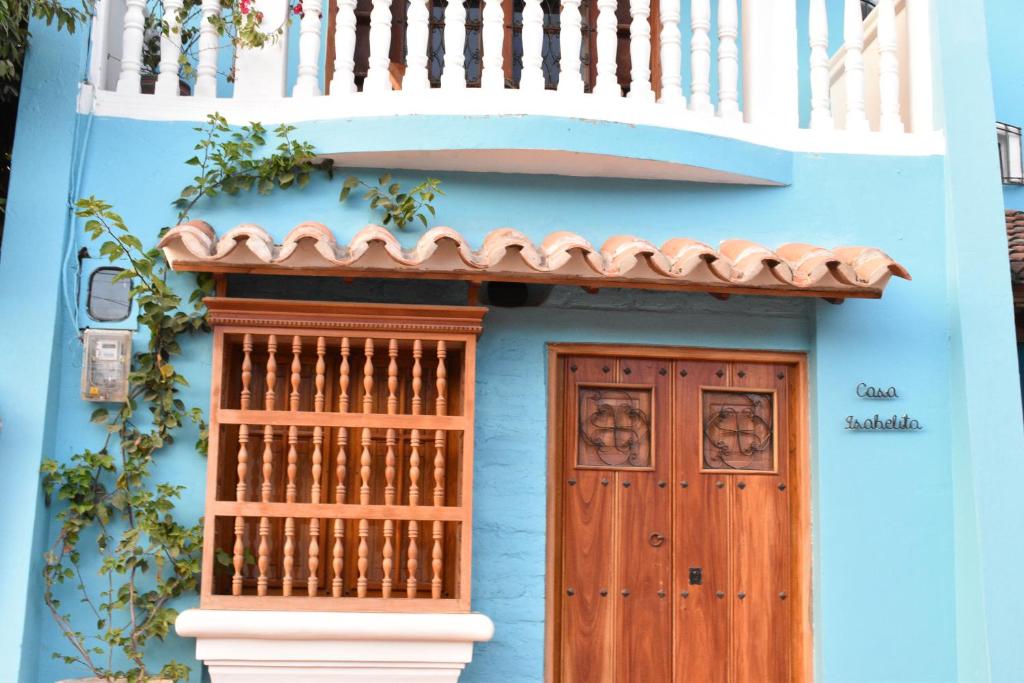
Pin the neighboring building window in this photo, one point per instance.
(341, 456)
(109, 300)
(1010, 153)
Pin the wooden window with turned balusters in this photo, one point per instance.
(340, 471)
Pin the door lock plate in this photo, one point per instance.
(696, 576)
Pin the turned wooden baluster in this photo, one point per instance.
(853, 65)
(640, 50)
(700, 57)
(341, 471)
(570, 37)
(417, 36)
(441, 409)
(362, 563)
(492, 76)
(821, 104)
(671, 56)
(167, 83)
(314, 489)
(377, 76)
(888, 69)
(308, 82)
(206, 71)
(453, 76)
(263, 558)
(531, 76)
(132, 39)
(412, 563)
(389, 470)
(243, 467)
(343, 81)
(293, 459)
(606, 84)
(728, 61)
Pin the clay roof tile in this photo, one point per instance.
(562, 257)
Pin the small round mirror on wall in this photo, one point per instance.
(108, 299)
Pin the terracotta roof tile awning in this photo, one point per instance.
(1015, 238)
(736, 267)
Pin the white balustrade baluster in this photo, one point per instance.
(700, 56)
(417, 33)
(167, 83)
(378, 79)
(671, 55)
(130, 78)
(853, 66)
(821, 105)
(888, 69)
(571, 40)
(262, 72)
(308, 82)
(343, 80)
(771, 94)
(607, 45)
(918, 53)
(532, 75)
(640, 50)
(206, 71)
(492, 35)
(728, 61)
(454, 75)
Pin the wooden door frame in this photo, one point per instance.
(800, 515)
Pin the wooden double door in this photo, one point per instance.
(678, 517)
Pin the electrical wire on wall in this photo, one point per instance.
(70, 266)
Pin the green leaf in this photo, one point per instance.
(99, 416)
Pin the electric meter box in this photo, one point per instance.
(106, 365)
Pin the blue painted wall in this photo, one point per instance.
(908, 514)
(1004, 19)
(986, 435)
(30, 358)
(930, 512)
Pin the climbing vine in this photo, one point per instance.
(228, 160)
(116, 521)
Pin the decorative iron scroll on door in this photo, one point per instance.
(739, 430)
(614, 427)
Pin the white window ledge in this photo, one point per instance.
(314, 647)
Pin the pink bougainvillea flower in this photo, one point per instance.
(298, 8)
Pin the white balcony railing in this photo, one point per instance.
(749, 69)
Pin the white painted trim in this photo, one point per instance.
(542, 162)
(480, 103)
(341, 647)
(295, 625)
(98, 43)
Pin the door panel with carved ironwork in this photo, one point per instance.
(674, 553)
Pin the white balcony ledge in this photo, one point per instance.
(544, 133)
(241, 646)
(726, 113)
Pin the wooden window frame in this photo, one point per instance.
(459, 326)
(802, 628)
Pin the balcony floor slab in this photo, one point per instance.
(540, 133)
